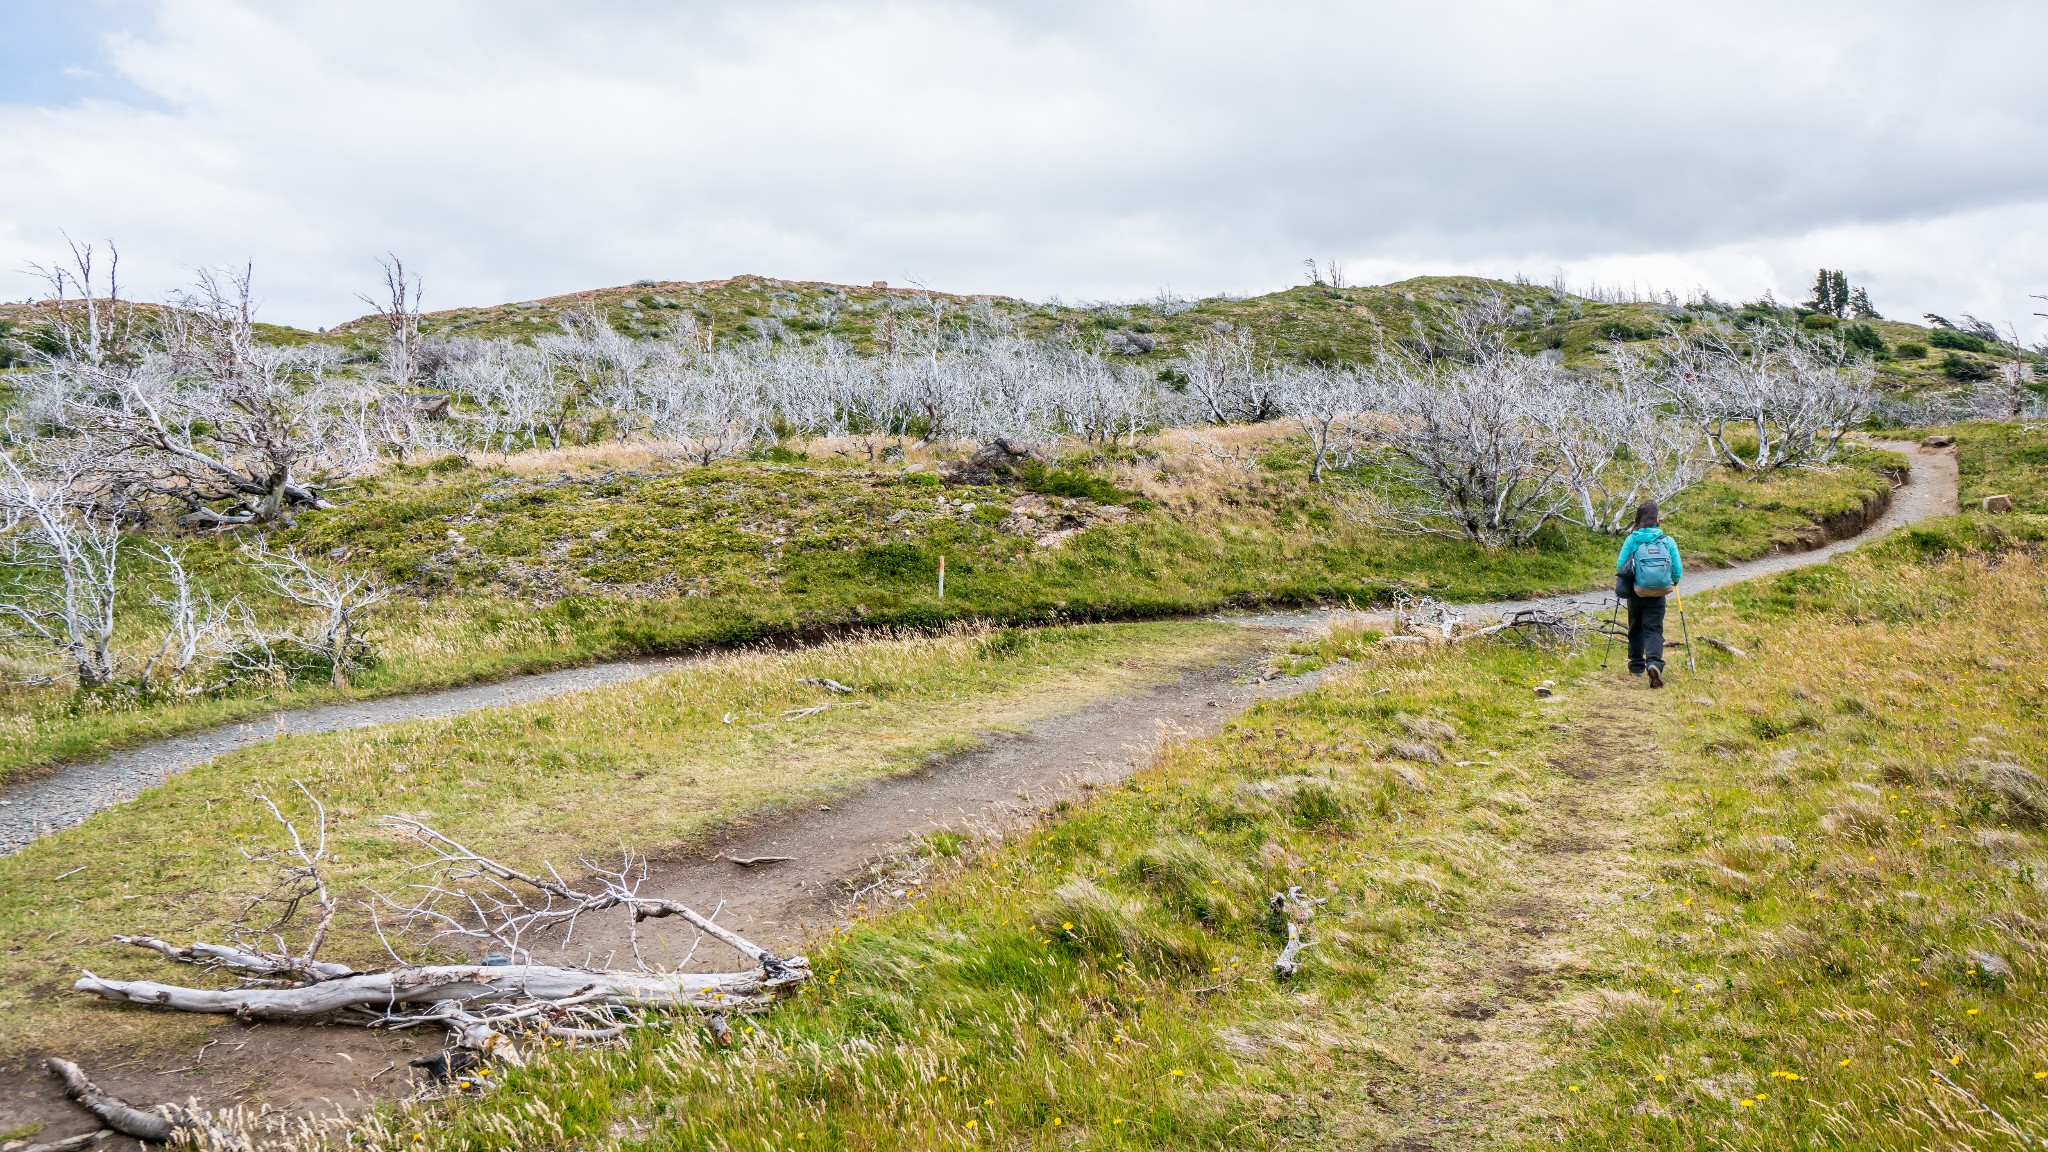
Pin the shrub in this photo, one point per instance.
(1072, 483)
(1864, 338)
(1818, 322)
(1910, 350)
(1960, 341)
(1625, 332)
(1956, 366)
(895, 560)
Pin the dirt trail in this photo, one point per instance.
(834, 848)
(1471, 1019)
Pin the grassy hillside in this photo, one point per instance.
(1312, 322)
(1791, 902)
(560, 559)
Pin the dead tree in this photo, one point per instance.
(1795, 398)
(398, 314)
(342, 600)
(1329, 404)
(86, 316)
(196, 627)
(1616, 448)
(1468, 460)
(236, 430)
(464, 895)
(58, 589)
(1228, 381)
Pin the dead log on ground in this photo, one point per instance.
(467, 896)
(160, 1125)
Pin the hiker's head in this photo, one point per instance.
(1646, 516)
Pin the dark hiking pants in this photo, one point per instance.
(1645, 633)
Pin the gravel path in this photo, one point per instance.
(1930, 490)
(72, 793)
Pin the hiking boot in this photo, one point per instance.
(1656, 678)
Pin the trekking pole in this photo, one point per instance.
(1686, 629)
(1612, 622)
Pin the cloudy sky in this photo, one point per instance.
(1091, 149)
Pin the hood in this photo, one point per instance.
(1645, 535)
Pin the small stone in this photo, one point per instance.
(1998, 503)
(1937, 442)
(1544, 690)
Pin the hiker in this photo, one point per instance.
(1645, 573)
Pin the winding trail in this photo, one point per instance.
(71, 794)
(848, 857)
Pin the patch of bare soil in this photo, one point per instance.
(815, 866)
(1465, 1028)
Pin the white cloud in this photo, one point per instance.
(511, 149)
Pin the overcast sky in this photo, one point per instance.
(509, 149)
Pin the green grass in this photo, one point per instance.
(653, 763)
(1818, 858)
(1834, 856)
(2000, 459)
(1104, 981)
(507, 571)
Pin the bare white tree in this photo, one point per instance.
(710, 414)
(603, 368)
(238, 431)
(1227, 380)
(1466, 459)
(1329, 402)
(59, 585)
(1616, 447)
(341, 600)
(197, 629)
(515, 396)
(85, 312)
(1792, 400)
(398, 314)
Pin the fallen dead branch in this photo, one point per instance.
(1299, 909)
(465, 896)
(1421, 616)
(827, 683)
(751, 861)
(160, 1125)
(1543, 628)
(1724, 646)
(800, 713)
